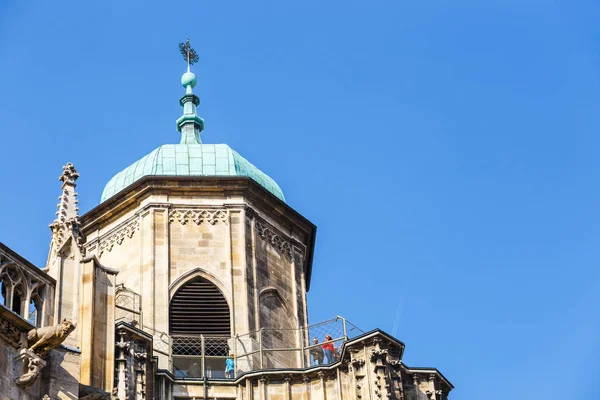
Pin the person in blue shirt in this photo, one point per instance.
(229, 367)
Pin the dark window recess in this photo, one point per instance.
(197, 308)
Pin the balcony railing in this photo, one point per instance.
(198, 356)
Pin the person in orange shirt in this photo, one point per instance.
(328, 349)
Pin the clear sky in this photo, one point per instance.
(446, 150)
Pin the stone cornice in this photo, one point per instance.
(427, 373)
(208, 186)
(130, 199)
(98, 264)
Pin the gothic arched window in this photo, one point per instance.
(35, 307)
(199, 307)
(200, 329)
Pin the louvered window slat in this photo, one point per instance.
(199, 308)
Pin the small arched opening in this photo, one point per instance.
(35, 308)
(200, 329)
(18, 299)
(5, 291)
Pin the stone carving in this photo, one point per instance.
(375, 354)
(358, 362)
(133, 374)
(42, 340)
(10, 333)
(198, 216)
(118, 237)
(250, 213)
(122, 345)
(34, 366)
(69, 174)
(282, 245)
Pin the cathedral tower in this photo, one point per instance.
(200, 242)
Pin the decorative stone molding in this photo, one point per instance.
(276, 240)
(10, 333)
(358, 363)
(118, 237)
(198, 216)
(375, 354)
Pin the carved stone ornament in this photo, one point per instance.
(141, 356)
(375, 354)
(213, 217)
(69, 174)
(10, 333)
(33, 363)
(42, 340)
(357, 363)
(282, 245)
(118, 237)
(250, 213)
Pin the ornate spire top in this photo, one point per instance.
(67, 216)
(69, 174)
(189, 124)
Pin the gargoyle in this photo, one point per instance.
(42, 340)
(33, 371)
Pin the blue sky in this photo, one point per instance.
(447, 152)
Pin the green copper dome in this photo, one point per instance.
(190, 157)
(190, 160)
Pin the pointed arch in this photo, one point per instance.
(199, 307)
(189, 275)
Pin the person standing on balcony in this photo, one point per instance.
(316, 353)
(328, 349)
(229, 367)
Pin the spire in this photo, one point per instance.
(67, 217)
(189, 124)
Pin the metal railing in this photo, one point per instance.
(199, 356)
